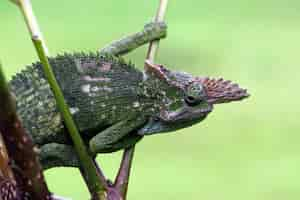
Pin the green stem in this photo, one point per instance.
(93, 178)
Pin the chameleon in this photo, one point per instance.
(113, 103)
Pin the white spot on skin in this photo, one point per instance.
(103, 116)
(103, 105)
(94, 89)
(104, 88)
(105, 67)
(92, 95)
(96, 79)
(107, 89)
(74, 110)
(114, 107)
(136, 104)
(40, 103)
(86, 88)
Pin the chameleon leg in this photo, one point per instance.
(114, 133)
(54, 155)
(122, 179)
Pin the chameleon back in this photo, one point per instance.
(99, 89)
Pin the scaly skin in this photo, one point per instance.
(100, 90)
(113, 104)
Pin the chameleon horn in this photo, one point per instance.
(222, 91)
(157, 70)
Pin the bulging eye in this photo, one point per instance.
(190, 99)
(194, 94)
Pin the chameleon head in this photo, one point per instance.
(188, 100)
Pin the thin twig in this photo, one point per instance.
(31, 22)
(122, 179)
(153, 46)
(152, 31)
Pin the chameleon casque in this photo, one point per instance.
(113, 103)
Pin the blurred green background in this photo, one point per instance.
(247, 150)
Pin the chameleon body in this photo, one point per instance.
(113, 103)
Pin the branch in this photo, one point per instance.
(5, 169)
(122, 179)
(153, 47)
(20, 146)
(8, 184)
(151, 31)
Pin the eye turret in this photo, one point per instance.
(194, 94)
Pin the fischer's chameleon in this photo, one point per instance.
(113, 103)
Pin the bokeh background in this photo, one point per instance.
(247, 150)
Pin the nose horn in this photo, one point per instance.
(222, 91)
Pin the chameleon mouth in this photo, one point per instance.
(186, 113)
(168, 121)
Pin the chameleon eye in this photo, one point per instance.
(194, 94)
(190, 100)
